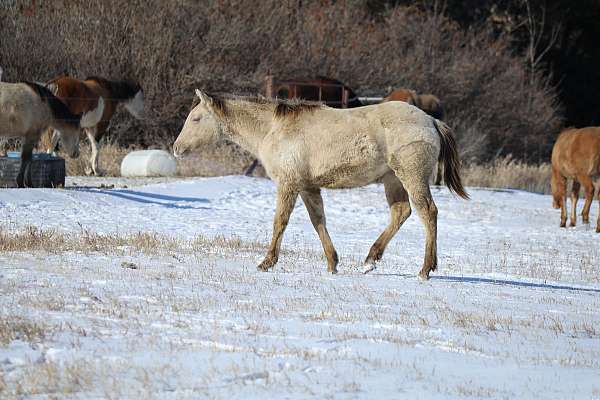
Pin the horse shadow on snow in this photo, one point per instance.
(164, 200)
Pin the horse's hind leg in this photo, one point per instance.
(314, 204)
(574, 197)
(286, 199)
(397, 199)
(588, 188)
(414, 167)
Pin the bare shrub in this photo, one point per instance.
(173, 47)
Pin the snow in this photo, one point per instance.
(512, 312)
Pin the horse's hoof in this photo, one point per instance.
(572, 224)
(265, 265)
(368, 267)
(424, 276)
(333, 271)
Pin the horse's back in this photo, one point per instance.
(76, 95)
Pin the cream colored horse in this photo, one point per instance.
(28, 109)
(305, 147)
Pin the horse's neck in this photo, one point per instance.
(247, 126)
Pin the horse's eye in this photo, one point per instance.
(196, 119)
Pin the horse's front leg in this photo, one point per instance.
(286, 199)
(588, 187)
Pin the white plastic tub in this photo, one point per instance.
(149, 163)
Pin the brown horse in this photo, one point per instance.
(28, 109)
(576, 156)
(426, 102)
(406, 95)
(80, 96)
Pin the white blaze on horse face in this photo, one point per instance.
(200, 129)
(135, 106)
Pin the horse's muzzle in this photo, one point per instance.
(179, 151)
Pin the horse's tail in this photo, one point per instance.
(449, 156)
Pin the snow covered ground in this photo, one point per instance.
(512, 312)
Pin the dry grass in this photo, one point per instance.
(34, 239)
(18, 328)
(509, 173)
(52, 241)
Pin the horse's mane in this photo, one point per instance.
(59, 110)
(120, 90)
(283, 108)
(293, 108)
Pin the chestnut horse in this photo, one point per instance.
(28, 109)
(576, 156)
(426, 102)
(81, 96)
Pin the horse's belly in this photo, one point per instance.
(350, 175)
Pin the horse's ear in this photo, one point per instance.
(204, 98)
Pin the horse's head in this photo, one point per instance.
(202, 126)
(69, 139)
